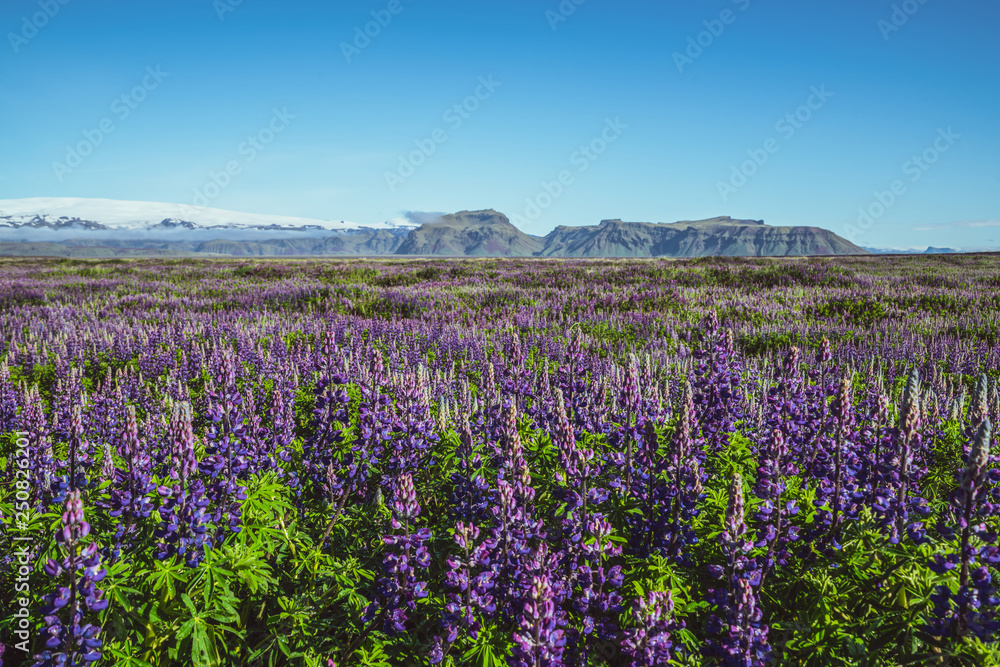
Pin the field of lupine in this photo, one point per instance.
(492, 462)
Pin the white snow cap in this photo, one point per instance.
(139, 215)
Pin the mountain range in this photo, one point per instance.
(108, 228)
(66, 213)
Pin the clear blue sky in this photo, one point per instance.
(892, 92)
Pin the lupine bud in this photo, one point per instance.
(979, 456)
(955, 413)
(980, 409)
(844, 406)
(734, 511)
(563, 435)
(824, 354)
(909, 413)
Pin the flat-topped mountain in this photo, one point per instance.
(697, 238)
(477, 233)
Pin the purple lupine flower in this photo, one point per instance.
(399, 589)
(739, 639)
(539, 640)
(470, 499)
(469, 575)
(563, 435)
(973, 608)
(774, 513)
(231, 456)
(677, 485)
(70, 640)
(629, 399)
(508, 449)
(81, 461)
(843, 410)
(376, 422)
(436, 654)
(513, 532)
(648, 642)
(718, 385)
(40, 455)
(412, 429)
(596, 598)
(183, 529)
(282, 420)
(9, 403)
(824, 355)
(579, 470)
(909, 425)
(320, 451)
(130, 500)
(587, 576)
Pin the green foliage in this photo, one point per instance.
(852, 310)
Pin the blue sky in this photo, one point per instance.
(597, 96)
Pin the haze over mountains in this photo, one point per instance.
(107, 228)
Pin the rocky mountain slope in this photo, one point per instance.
(361, 242)
(471, 233)
(716, 236)
(106, 228)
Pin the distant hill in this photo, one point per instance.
(471, 233)
(109, 228)
(356, 242)
(479, 233)
(715, 236)
(361, 242)
(931, 250)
